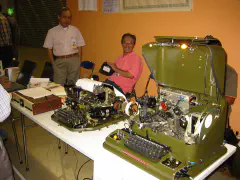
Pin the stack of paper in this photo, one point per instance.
(58, 91)
(39, 82)
(35, 93)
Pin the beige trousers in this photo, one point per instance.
(5, 165)
(66, 70)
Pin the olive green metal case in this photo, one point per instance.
(185, 67)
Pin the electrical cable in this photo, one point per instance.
(183, 173)
(205, 74)
(81, 168)
(213, 70)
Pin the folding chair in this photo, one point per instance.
(47, 71)
(89, 65)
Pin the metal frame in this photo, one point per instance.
(24, 138)
(16, 137)
(59, 146)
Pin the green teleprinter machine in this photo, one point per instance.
(179, 132)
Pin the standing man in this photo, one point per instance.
(6, 53)
(15, 34)
(64, 42)
(128, 66)
(5, 109)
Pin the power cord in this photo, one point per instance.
(183, 173)
(81, 168)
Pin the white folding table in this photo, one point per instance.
(107, 166)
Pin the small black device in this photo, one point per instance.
(26, 72)
(106, 69)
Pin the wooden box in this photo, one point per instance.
(40, 105)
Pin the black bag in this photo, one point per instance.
(106, 69)
(234, 164)
(234, 161)
(229, 135)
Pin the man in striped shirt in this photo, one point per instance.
(5, 109)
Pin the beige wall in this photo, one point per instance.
(102, 32)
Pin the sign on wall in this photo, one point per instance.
(110, 6)
(155, 5)
(87, 5)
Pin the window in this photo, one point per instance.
(35, 18)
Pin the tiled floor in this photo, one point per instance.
(47, 162)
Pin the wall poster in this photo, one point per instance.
(110, 6)
(87, 5)
(155, 5)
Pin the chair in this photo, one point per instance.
(133, 92)
(95, 77)
(88, 65)
(26, 72)
(47, 71)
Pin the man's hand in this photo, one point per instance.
(113, 66)
(121, 72)
(50, 55)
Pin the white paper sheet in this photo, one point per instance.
(110, 6)
(58, 91)
(39, 82)
(35, 93)
(87, 5)
(88, 85)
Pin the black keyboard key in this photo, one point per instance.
(146, 147)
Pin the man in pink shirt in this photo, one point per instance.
(65, 42)
(128, 66)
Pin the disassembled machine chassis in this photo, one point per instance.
(179, 132)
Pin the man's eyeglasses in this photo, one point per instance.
(128, 42)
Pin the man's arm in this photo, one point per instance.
(121, 72)
(50, 55)
(80, 52)
(5, 107)
(48, 43)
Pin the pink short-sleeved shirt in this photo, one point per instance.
(64, 41)
(131, 63)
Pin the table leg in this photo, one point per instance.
(59, 144)
(16, 140)
(66, 148)
(24, 142)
